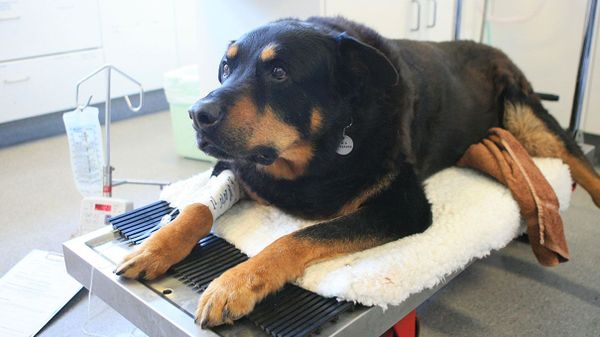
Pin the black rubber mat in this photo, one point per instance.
(291, 312)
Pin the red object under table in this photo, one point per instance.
(406, 327)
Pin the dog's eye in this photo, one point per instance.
(278, 73)
(226, 71)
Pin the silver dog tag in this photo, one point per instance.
(345, 146)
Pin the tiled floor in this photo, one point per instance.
(506, 294)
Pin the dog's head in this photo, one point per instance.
(283, 87)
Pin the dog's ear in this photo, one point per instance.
(364, 60)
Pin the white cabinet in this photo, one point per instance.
(399, 19)
(138, 37)
(391, 18)
(438, 20)
(46, 46)
(31, 28)
(44, 84)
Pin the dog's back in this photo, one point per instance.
(459, 90)
(457, 86)
(454, 89)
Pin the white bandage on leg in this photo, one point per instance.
(219, 194)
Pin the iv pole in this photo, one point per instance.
(107, 181)
(582, 72)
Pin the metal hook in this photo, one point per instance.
(141, 91)
(127, 99)
(81, 107)
(81, 82)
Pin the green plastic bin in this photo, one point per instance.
(182, 90)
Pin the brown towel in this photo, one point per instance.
(504, 158)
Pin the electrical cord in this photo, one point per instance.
(85, 327)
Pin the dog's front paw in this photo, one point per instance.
(147, 262)
(229, 297)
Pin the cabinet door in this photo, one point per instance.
(32, 27)
(438, 20)
(186, 27)
(394, 19)
(139, 38)
(46, 84)
(472, 18)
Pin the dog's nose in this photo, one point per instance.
(205, 114)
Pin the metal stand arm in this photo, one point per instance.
(107, 181)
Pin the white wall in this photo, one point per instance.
(591, 112)
(543, 37)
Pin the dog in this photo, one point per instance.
(327, 120)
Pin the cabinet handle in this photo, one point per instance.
(6, 18)
(432, 24)
(414, 29)
(17, 80)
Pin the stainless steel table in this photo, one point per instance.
(164, 307)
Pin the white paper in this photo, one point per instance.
(32, 292)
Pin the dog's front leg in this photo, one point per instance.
(174, 241)
(169, 245)
(391, 215)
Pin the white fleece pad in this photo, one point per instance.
(472, 214)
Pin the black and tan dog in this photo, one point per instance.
(291, 90)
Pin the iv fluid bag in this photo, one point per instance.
(85, 145)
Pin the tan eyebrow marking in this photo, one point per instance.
(315, 120)
(268, 52)
(232, 51)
